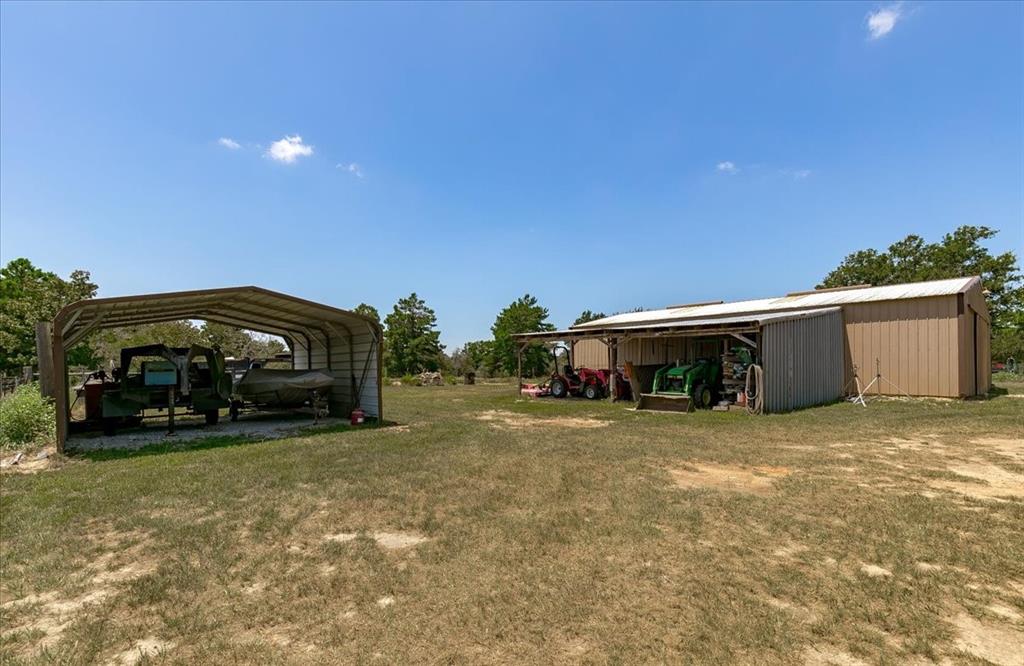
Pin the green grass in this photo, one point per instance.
(545, 544)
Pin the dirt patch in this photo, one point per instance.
(1000, 645)
(1004, 611)
(993, 482)
(800, 613)
(927, 567)
(1011, 448)
(30, 463)
(514, 421)
(384, 602)
(143, 649)
(826, 655)
(755, 480)
(50, 614)
(874, 571)
(386, 540)
(396, 540)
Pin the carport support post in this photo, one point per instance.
(613, 361)
(519, 369)
(60, 388)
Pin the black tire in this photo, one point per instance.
(592, 392)
(233, 411)
(559, 388)
(212, 416)
(109, 427)
(702, 397)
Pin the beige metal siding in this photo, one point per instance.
(916, 343)
(803, 361)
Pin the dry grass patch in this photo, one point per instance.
(997, 643)
(758, 480)
(989, 481)
(515, 421)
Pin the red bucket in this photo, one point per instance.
(358, 416)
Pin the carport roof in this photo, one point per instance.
(718, 325)
(250, 307)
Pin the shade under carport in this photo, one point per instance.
(345, 343)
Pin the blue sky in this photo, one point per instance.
(601, 156)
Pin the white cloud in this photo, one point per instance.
(727, 167)
(352, 168)
(796, 174)
(230, 144)
(881, 22)
(289, 149)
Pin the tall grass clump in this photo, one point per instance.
(26, 418)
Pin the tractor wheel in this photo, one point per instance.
(212, 416)
(592, 392)
(559, 388)
(702, 397)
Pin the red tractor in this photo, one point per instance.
(586, 382)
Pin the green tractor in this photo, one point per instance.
(699, 381)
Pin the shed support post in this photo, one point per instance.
(44, 352)
(519, 369)
(613, 361)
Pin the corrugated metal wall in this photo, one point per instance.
(349, 358)
(803, 361)
(645, 351)
(915, 342)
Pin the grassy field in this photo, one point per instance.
(484, 529)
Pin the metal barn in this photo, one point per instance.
(925, 339)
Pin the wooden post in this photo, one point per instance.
(613, 360)
(519, 369)
(44, 352)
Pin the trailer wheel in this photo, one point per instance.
(109, 427)
(558, 388)
(592, 392)
(212, 416)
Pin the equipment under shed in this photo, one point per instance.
(919, 339)
(344, 345)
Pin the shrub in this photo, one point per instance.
(409, 380)
(26, 417)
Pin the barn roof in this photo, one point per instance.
(795, 301)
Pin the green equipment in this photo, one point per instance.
(191, 377)
(699, 381)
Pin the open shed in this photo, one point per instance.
(801, 352)
(345, 344)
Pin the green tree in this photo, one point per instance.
(367, 311)
(29, 295)
(107, 344)
(587, 315)
(958, 254)
(411, 339)
(471, 357)
(524, 315)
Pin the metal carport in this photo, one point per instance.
(346, 344)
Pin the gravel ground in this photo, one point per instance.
(256, 426)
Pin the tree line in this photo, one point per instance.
(412, 339)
